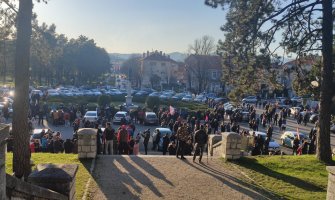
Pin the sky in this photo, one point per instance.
(134, 26)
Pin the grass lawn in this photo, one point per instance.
(83, 171)
(288, 177)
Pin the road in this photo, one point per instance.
(67, 132)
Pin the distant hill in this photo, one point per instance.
(121, 57)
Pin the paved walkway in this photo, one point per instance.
(158, 177)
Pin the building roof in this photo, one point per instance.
(157, 56)
(209, 61)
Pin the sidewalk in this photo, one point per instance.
(166, 177)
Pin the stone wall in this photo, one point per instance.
(331, 183)
(56, 177)
(17, 189)
(4, 133)
(231, 146)
(87, 143)
(212, 140)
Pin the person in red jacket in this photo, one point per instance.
(123, 139)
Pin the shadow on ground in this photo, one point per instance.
(252, 164)
(237, 184)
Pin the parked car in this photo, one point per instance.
(200, 99)
(274, 147)
(296, 100)
(295, 110)
(155, 94)
(150, 118)
(288, 136)
(313, 118)
(187, 98)
(332, 128)
(178, 96)
(249, 99)
(119, 115)
(91, 116)
(163, 132)
(221, 100)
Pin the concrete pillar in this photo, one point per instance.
(4, 133)
(60, 178)
(331, 183)
(231, 146)
(213, 139)
(87, 143)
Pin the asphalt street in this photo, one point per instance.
(291, 125)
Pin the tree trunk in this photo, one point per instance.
(323, 151)
(4, 61)
(21, 153)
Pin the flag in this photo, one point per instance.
(298, 135)
(172, 110)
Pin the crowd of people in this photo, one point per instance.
(189, 133)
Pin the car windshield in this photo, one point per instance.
(151, 116)
(119, 115)
(91, 114)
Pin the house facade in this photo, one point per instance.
(288, 72)
(158, 69)
(203, 73)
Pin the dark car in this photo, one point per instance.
(150, 118)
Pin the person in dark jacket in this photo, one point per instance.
(68, 146)
(166, 142)
(108, 139)
(200, 140)
(99, 139)
(156, 140)
(172, 148)
(146, 137)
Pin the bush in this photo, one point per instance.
(104, 100)
(151, 102)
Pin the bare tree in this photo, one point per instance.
(202, 46)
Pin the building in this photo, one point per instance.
(203, 73)
(158, 69)
(288, 72)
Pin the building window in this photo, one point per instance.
(163, 64)
(152, 63)
(214, 75)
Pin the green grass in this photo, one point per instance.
(83, 171)
(288, 177)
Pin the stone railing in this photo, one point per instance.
(331, 183)
(4, 133)
(18, 189)
(212, 140)
(216, 149)
(56, 177)
(87, 143)
(231, 146)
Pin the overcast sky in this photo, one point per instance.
(134, 26)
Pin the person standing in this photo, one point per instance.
(99, 138)
(182, 137)
(146, 137)
(166, 142)
(156, 140)
(108, 137)
(296, 144)
(123, 138)
(200, 140)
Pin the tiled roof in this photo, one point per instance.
(157, 56)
